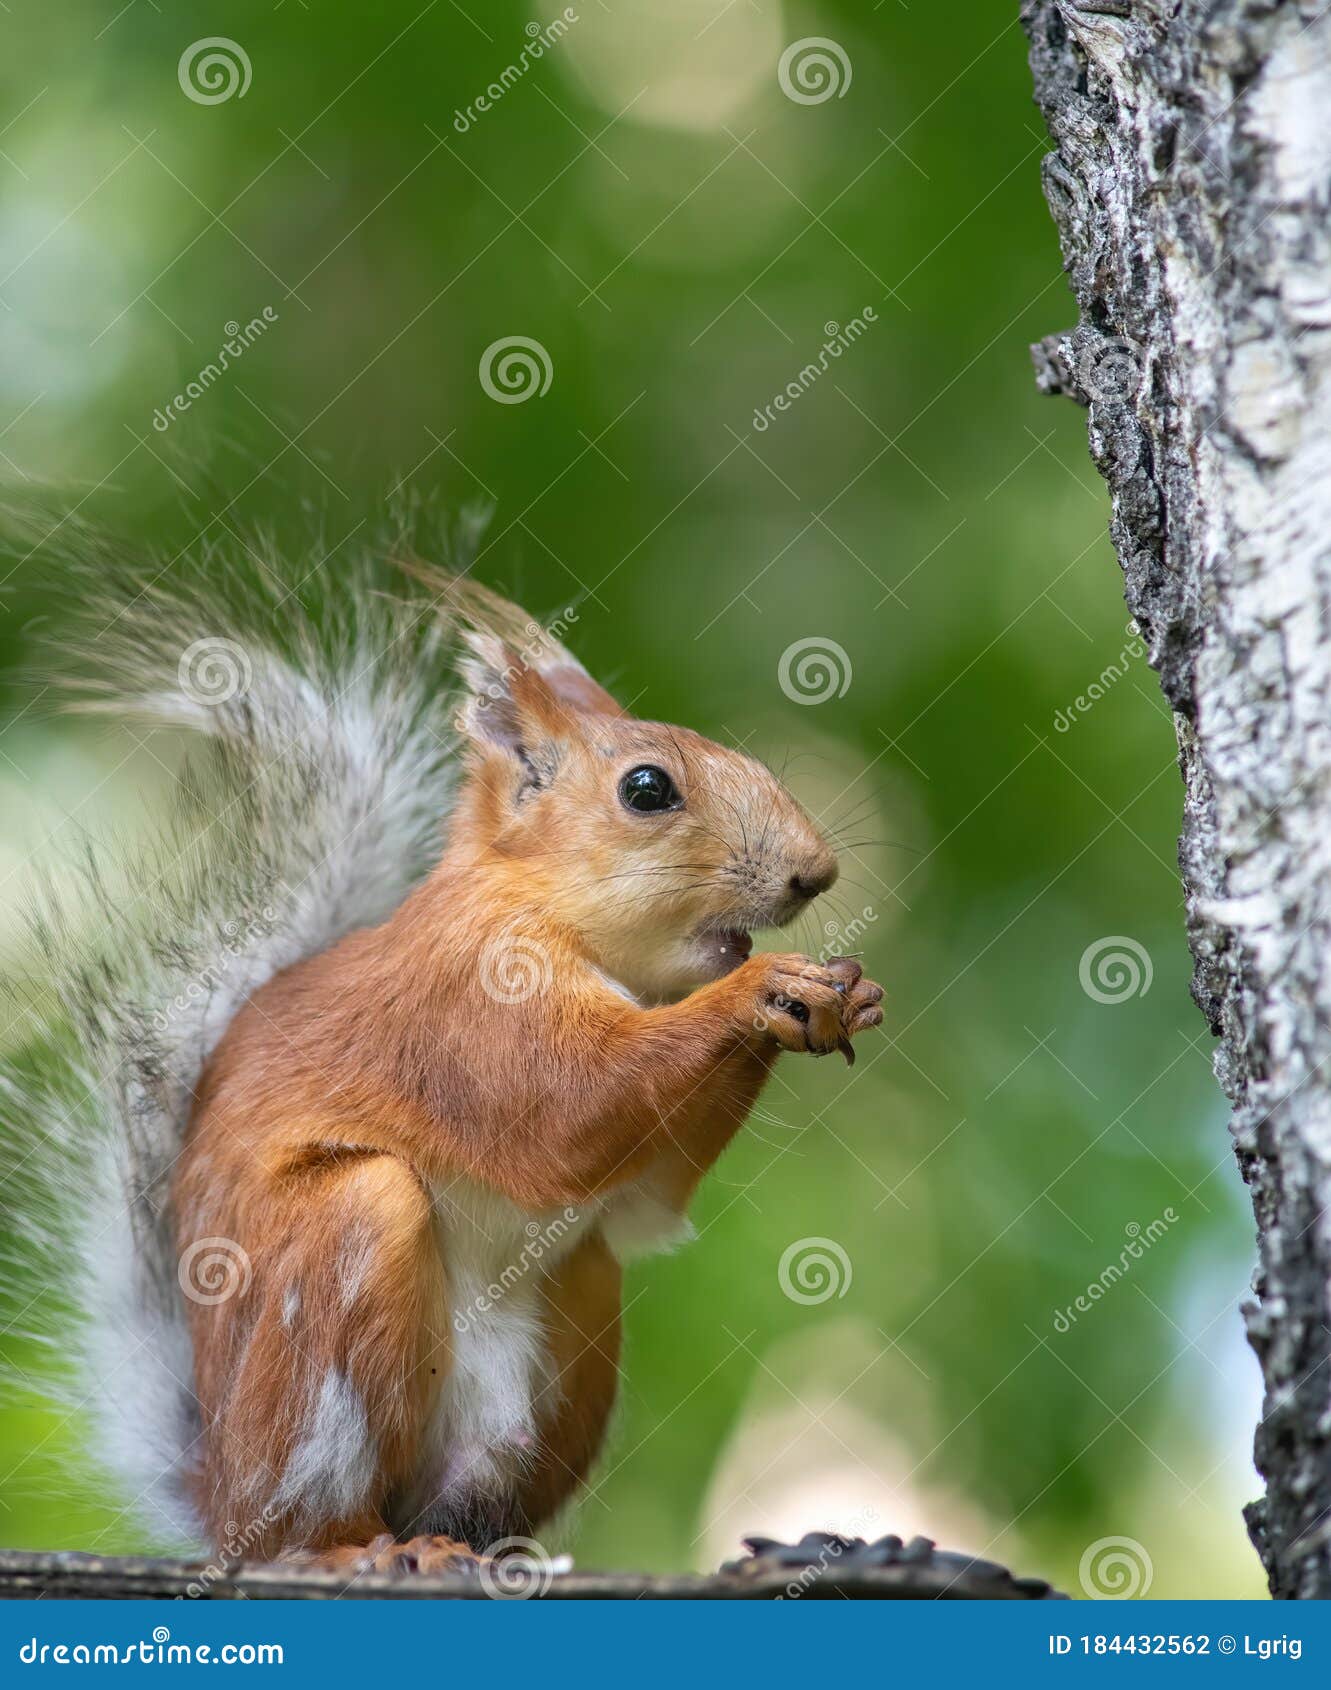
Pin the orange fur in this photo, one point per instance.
(355, 1091)
(582, 1307)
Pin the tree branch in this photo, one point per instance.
(931, 1575)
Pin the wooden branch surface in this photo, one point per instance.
(70, 1574)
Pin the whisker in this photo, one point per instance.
(880, 844)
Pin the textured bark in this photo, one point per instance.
(940, 1577)
(1190, 183)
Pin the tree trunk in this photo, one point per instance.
(1190, 182)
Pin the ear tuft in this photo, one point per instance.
(490, 710)
(509, 706)
(483, 616)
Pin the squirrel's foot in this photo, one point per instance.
(385, 1554)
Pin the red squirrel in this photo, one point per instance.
(442, 1006)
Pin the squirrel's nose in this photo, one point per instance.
(810, 882)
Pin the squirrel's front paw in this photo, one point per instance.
(860, 999)
(800, 1003)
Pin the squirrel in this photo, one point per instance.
(431, 1008)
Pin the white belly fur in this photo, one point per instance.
(496, 1258)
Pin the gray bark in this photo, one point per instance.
(1191, 181)
(926, 1578)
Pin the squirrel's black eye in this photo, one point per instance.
(648, 788)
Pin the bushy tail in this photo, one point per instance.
(312, 803)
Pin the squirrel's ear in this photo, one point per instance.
(488, 622)
(572, 685)
(509, 704)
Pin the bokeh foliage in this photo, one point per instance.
(677, 234)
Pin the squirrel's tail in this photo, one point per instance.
(312, 802)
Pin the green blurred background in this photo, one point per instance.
(677, 234)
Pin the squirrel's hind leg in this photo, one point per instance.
(317, 1380)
